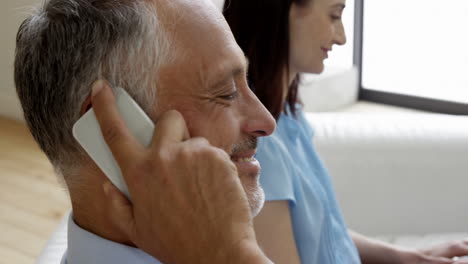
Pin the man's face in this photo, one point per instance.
(208, 85)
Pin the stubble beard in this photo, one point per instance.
(254, 192)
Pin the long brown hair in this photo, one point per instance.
(261, 28)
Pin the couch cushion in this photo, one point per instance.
(397, 173)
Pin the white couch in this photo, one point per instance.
(402, 175)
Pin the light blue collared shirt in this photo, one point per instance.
(87, 248)
(292, 171)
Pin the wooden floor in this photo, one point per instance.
(32, 202)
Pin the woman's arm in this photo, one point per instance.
(373, 251)
(274, 233)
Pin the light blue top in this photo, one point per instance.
(87, 248)
(292, 171)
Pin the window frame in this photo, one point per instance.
(396, 99)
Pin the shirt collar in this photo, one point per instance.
(86, 247)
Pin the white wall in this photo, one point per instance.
(12, 13)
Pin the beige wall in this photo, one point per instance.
(12, 13)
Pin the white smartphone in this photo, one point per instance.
(88, 133)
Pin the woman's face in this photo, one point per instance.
(314, 29)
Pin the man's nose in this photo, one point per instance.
(259, 121)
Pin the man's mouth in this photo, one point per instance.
(246, 163)
(236, 159)
(244, 156)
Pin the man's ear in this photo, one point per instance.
(86, 105)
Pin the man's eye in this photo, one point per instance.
(229, 97)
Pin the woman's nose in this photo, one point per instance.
(340, 36)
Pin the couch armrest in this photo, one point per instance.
(397, 173)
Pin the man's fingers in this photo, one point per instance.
(169, 129)
(120, 208)
(123, 145)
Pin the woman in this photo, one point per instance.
(301, 221)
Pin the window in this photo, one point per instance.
(416, 52)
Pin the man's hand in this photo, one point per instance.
(188, 205)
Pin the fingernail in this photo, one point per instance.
(97, 87)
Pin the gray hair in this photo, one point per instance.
(65, 46)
